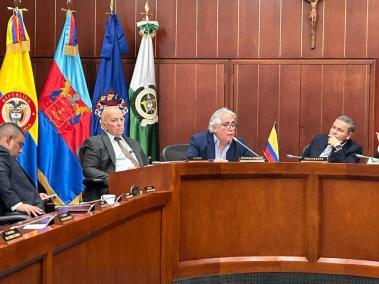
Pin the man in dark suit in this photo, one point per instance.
(218, 142)
(17, 192)
(109, 152)
(337, 146)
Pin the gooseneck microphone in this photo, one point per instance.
(243, 145)
(293, 156)
(359, 156)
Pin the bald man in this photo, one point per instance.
(17, 192)
(109, 152)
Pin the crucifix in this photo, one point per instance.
(313, 17)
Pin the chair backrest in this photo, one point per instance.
(175, 152)
(13, 218)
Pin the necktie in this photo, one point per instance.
(127, 154)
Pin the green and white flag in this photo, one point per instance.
(142, 94)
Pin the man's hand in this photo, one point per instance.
(333, 141)
(377, 136)
(30, 210)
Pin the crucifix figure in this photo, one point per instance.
(313, 17)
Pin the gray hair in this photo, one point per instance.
(349, 121)
(216, 117)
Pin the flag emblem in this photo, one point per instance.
(19, 108)
(65, 107)
(145, 105)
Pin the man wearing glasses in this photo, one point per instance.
(217, 143)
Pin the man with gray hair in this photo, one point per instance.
(218, 144)
(337, 146)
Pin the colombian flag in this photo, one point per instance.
(271, 151)
(18, 99)
(64, 116)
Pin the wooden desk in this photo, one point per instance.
(210, 218)
(253, 217)
(117, 245)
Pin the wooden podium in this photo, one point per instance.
(260, 217)
(211, 218)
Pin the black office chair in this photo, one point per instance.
(175, 152)
(13, 217)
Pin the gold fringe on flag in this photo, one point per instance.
(13, 47)
(71, 50)
(25, 46)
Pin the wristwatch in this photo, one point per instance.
(338, 147)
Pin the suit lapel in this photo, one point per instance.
(211, 146)
(109, 147)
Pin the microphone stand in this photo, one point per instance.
(243, 145)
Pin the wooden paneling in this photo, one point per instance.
(248, 28)
(346, 200)
(187, 102)
(186, 37)
(269, 32)
(290, 45)
(207, 21)
(334, 29)
(249, 236)
(356, 27)
(210, 30)
(304, 97)
(227, 39)
(166, 15)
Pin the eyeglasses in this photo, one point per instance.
(229, 125)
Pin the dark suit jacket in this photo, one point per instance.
(15, 185)
(99, 160)
(345, 155)
(202, 145)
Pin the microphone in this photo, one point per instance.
(372, 159)
(243, 145)
(293, 156)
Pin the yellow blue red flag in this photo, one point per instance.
(18, 99)
(64, 117)
(271, 151)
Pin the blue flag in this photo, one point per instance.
(65, 117)
(110, 76)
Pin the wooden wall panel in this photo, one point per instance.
(304, 98)
(290, 45)
(207, 22)
(334, 29)
(248, 29)
(188, 101)
(332, 94)
(126, 10)
(201, 31)
(186, 37)
(356, 100)
(372, 28)
(246, 101)
(227, 39)
(310, 115)
(356, 26)
(167, 31)
(268, 99)
(269, 35)
(45, 43)
(289, 110)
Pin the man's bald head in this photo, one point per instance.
(112, 120)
